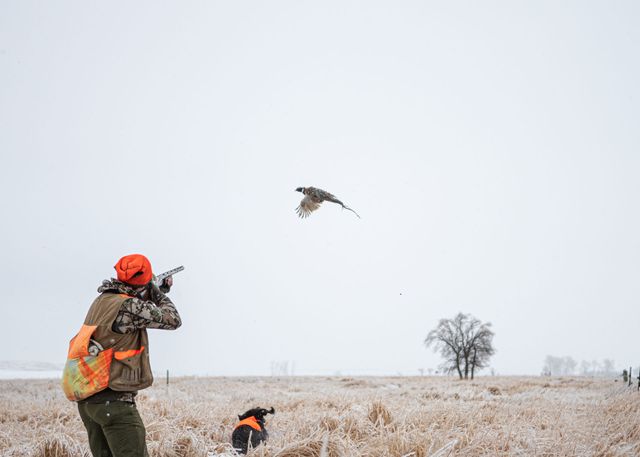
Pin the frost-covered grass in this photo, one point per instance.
(428, 416)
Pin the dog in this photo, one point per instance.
(250, 429)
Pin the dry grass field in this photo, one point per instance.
(341, 416)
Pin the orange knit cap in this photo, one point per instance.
(134, 269)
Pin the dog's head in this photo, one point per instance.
(258, 413)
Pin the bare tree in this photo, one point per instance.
(481, 348)
(552, 365)
(569, 365)
(559, 366)
(608, 367)
(585, 367)
(465, 343)
(596, 368)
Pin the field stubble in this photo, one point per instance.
(343, 416)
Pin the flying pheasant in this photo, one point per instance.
(313, 197)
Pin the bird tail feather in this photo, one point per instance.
(346, 207)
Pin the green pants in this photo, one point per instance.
(115, 429)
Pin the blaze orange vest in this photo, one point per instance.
(251, 422)
(123, 365)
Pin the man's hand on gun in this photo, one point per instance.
(165, 280)
(154, 293)
(165, 287)
(158, 287)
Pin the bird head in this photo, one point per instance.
(300, 189)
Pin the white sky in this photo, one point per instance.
(491, 149)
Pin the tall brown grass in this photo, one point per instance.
(335, 417)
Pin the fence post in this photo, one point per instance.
(167, 378)
(630, 375)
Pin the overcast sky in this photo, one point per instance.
(491, 148)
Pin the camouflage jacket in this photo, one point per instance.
(155, 311)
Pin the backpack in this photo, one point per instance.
(86, 371)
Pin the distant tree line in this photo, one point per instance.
(282, 368)
(567, 366)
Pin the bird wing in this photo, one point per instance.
(307, 205)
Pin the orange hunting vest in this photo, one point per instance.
(251, 422)
(123, 365)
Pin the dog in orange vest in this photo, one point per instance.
(250, 429)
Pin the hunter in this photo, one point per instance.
(108, 360)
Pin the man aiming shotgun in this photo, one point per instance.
(108, 360)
